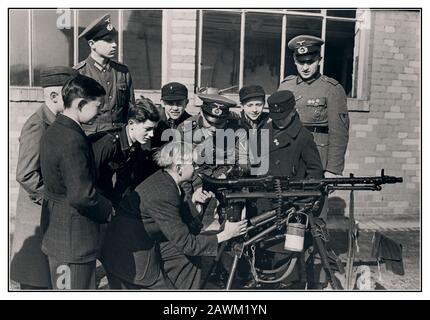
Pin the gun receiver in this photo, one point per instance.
(300, 196)
(266, 183)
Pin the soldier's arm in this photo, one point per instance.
(311, 156)
(28, 172)
(338, 122)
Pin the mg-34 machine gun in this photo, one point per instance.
(296, 204)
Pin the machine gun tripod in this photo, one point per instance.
(293, 197)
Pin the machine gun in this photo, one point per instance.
(292, 200)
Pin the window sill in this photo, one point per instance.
(358, 105)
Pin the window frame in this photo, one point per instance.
(359, 71)
(75, 18)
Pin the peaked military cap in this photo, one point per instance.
(216, 107)
(99, 28)
(252, 91)
(281, 103)
(306, 47)
(174, 91)
(55, 76)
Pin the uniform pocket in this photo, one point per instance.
(319, 108)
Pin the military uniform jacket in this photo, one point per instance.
(116, 80)
(148, 216)
(29, 265)
(192, 130)
(72, 209)
(114, 155)
(321, 104)
(164, 124)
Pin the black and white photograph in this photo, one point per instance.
(244, 149)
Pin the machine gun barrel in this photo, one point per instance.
(267, 182)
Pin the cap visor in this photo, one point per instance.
(307, 57)
(252, 95)
(278, 116)
(174, 98)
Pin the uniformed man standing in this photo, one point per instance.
(202, 129)
(113, 76)
(174, 100)
(320, 102)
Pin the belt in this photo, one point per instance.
(317, 129)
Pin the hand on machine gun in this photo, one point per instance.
(232, 230)
(201, 196)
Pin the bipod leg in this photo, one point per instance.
(214, 264)
(352, 233)
(238, 249)
(323, 253)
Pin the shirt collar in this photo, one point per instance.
(308, 81)
(99, 66)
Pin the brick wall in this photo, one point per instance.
(387, 136)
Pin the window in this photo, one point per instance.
(263, 50)
(221, 44)
(260, 39)
(142, 46)
(52, 45)
(38, 40)
(339, 52)
(19, 48)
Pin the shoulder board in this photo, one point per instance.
(330, 80)
(290, 77)
(119, 66)
(80, 65)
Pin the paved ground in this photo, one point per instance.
(404, 230)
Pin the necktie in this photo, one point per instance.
(171, 123)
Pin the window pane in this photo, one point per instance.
(52, 44)
(18, 47)
(339, 52)
(85, 17)
(220, 49)
(341, 13)
(142, 47)
(263, 36)
(297, 25)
